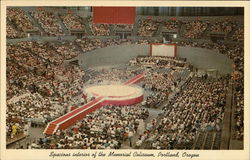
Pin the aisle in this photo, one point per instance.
(153, 113)
(35, 134)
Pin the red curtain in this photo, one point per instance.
(114, 15)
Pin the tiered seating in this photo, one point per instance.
(24, 57)
(43, 50)
(238, 35)
(147, 27)
(195, 29)
(73, 22)
(48, 22)
(36, 91)
(121, 27)
(12, 32)
(217, 140)
(15, 73)
(40, 88)
(106, 128)
(171, 25)
(226, 26)
(67, 49)
(99, 29)
(208, 141)
(194, 110)
(18, 17)
(199, 141)
(89, 44)
(18, 23)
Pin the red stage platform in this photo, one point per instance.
(105, 95)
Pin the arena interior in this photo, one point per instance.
(157, 78)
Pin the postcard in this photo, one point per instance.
(124, 80)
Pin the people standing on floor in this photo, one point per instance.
(130, 136)
(26, 129)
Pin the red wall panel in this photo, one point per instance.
(128, 102)
(114, 15)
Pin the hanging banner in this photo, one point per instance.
(114, 15)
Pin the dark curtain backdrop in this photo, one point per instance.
(190, 11)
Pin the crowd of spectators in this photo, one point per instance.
(170, 25)
(225, 26)
(239, 108)
(42, 99)
(155, 79)
(48, 22)
(89, 44)
(143, 41)
(19, 18)
(147, 27)
(114, 76)
(31, 78)
(99, 29)
(159, 83)
(239, 34)
(40, 88)
(37, 91)
(105, 128)
(43, 50)
(199, 107)
(17, 23)
(195, 29)
(123, 27)
(236, 53)
(160, 61)
(73, 22)
(13, 32)
(24, 57)
(14, 72)
(67, 49)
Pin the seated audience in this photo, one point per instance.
(195, 29)
(48, 22)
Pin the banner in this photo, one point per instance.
(114, 15)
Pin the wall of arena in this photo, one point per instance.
(121, 54)
(206, 59)
(112, 55)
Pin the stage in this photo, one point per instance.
(116, 94)
(102, 95)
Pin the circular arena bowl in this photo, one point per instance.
(116, 94)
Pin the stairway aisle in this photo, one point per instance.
(208, 141)
(200, 141)
(135, 27)
(226, 130)
(112, 30)
(64, 28)
(159, 30)
(87, 27)
(35, 22)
